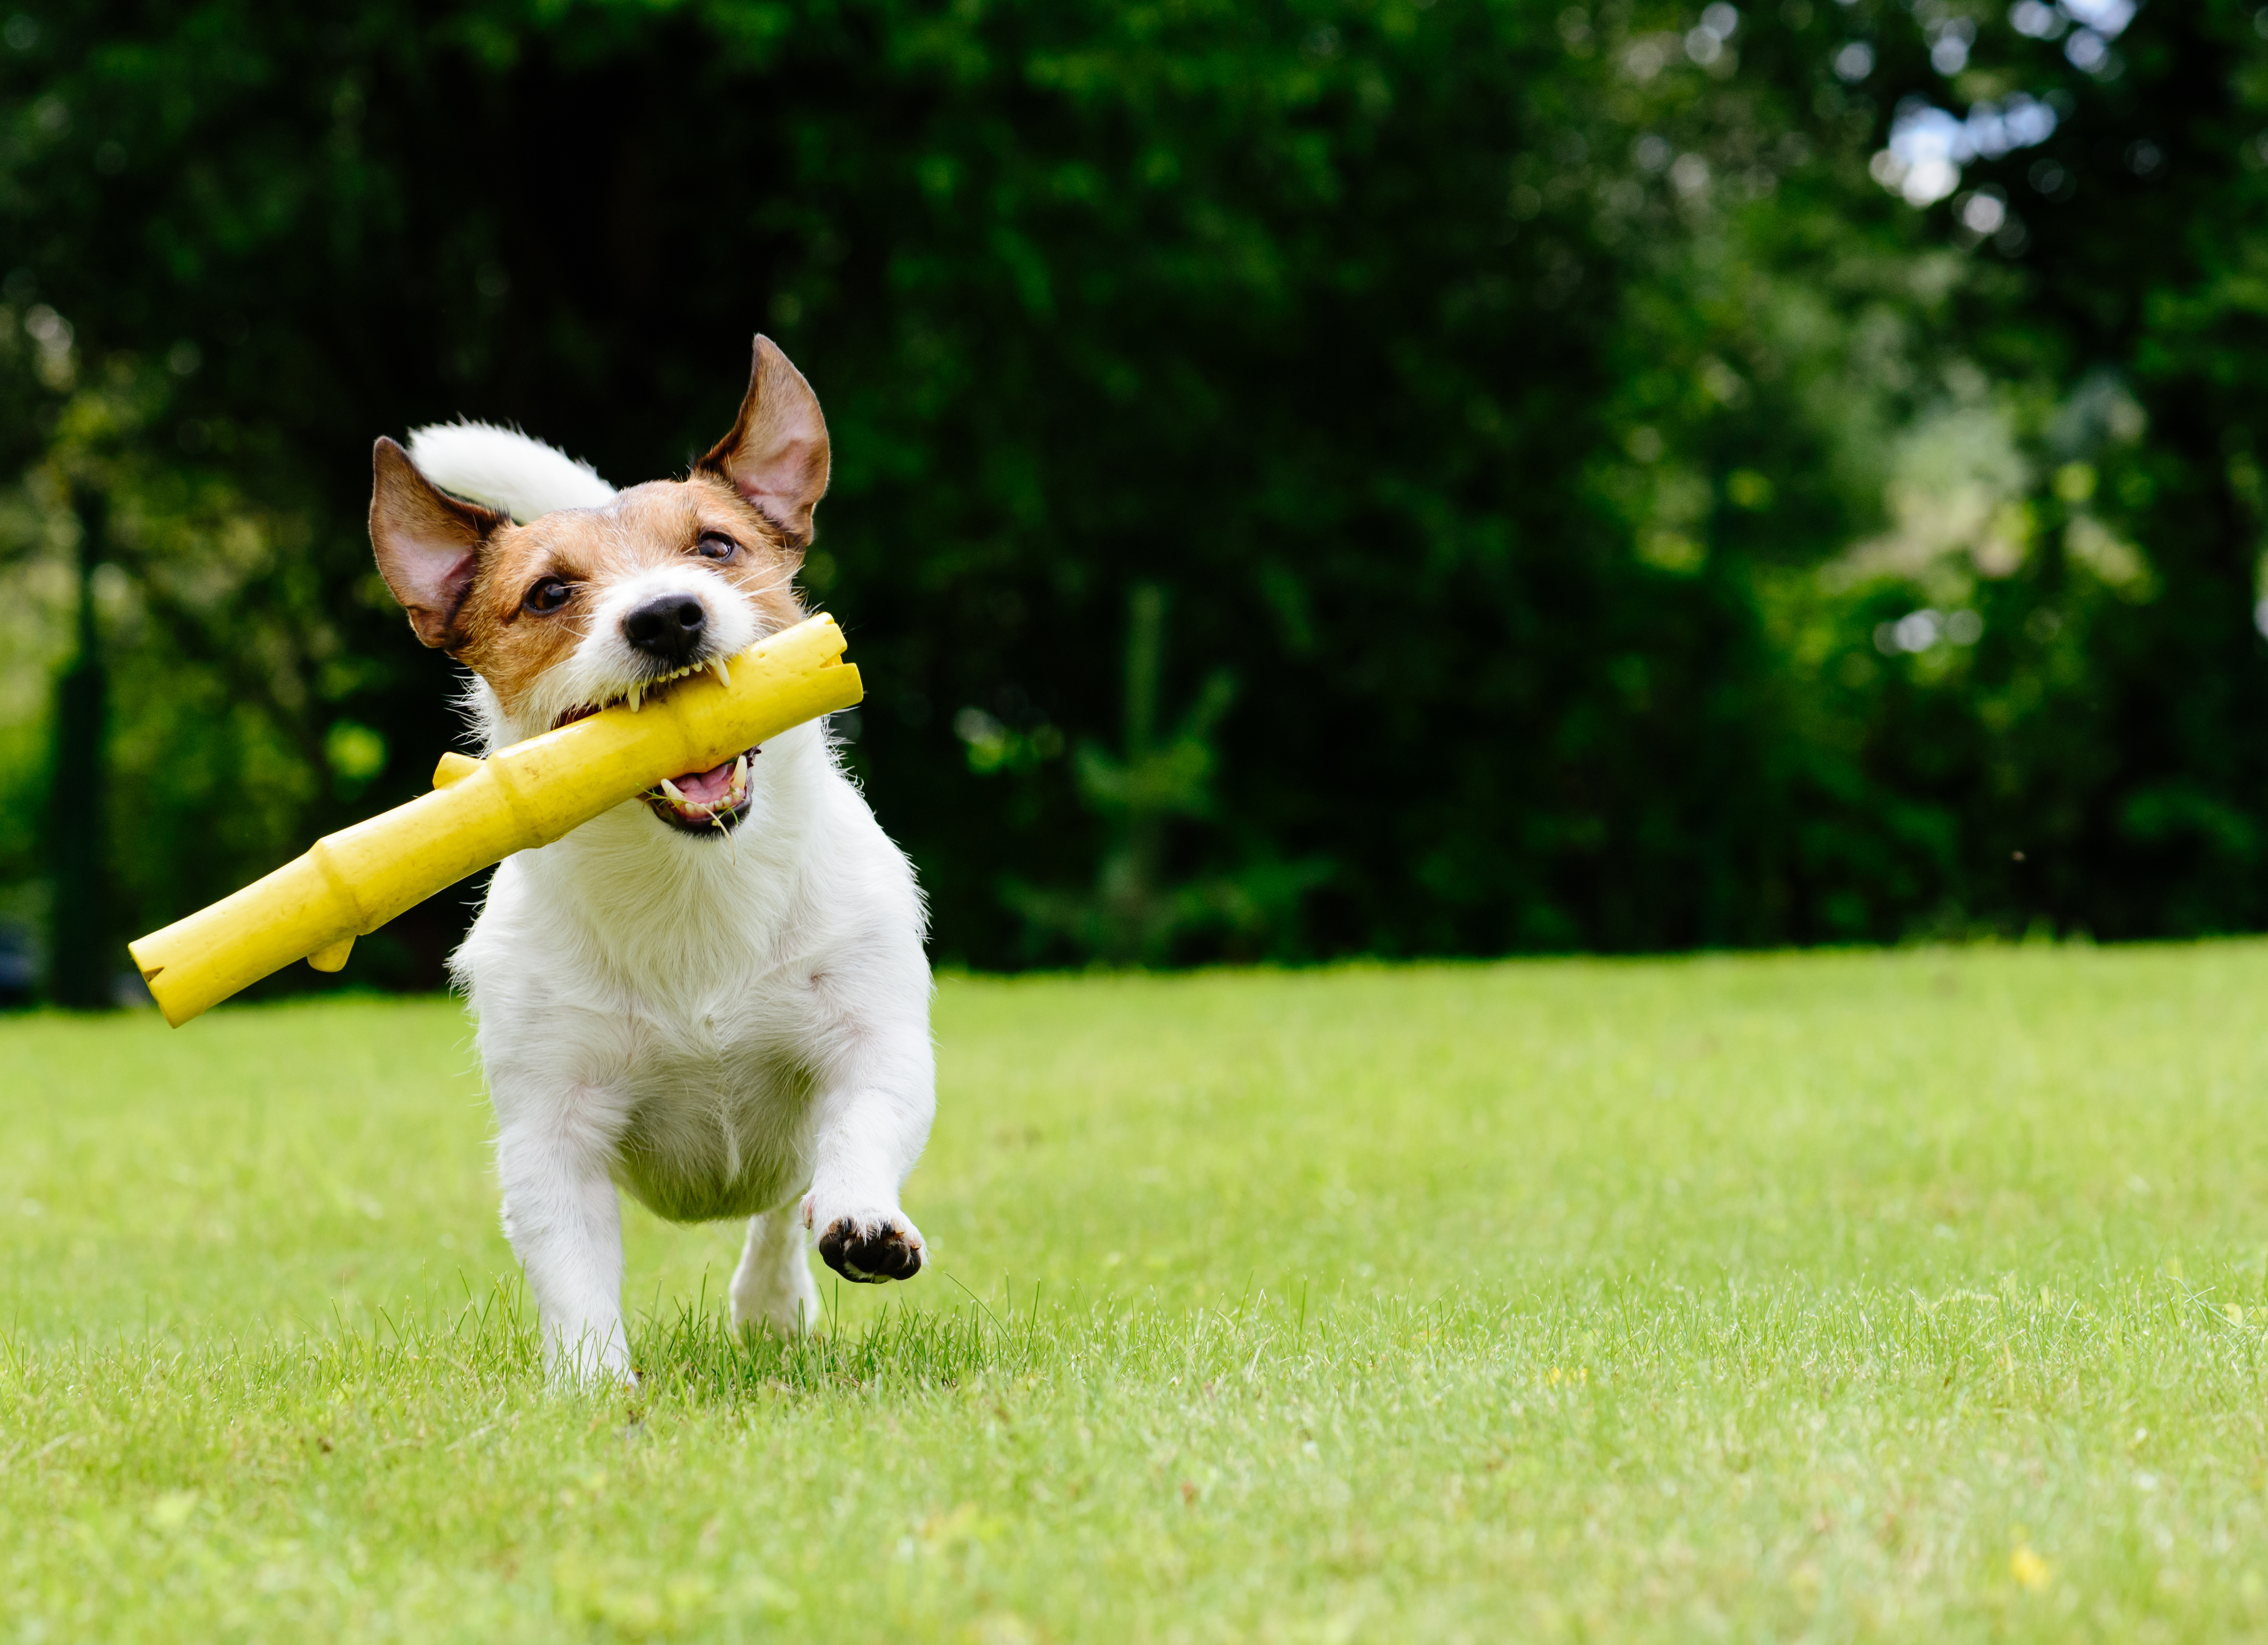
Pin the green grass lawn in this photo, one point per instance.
(1915, 1295)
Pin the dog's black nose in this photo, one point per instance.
(668, 628)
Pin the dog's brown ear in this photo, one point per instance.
(428, 543)
(776, 455)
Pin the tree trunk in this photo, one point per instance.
(81, 962)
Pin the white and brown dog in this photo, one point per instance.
(714, 997)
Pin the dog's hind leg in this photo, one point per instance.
(772, 1288)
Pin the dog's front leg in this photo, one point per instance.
(878, 1097)
(564, 1221)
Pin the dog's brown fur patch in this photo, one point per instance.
(464, 572)
(428, 544)
(512, 647)
(776, 455)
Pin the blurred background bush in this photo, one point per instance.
(1395, 477)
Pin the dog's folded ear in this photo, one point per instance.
(775, 456)
(428, 543)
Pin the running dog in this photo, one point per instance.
(714, 997)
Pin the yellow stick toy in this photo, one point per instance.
(483, 811)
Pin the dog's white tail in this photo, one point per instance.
(505, 469)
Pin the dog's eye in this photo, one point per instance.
(715, 546)
(548, 594)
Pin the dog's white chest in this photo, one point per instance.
(718, 1109)
(716, 1122)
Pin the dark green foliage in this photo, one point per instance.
(79, 970)
(1495, 403)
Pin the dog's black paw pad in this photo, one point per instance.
(872, 1256)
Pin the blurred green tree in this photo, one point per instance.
(1133, 915)
(1639, 507)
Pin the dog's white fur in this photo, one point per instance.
(717, 1025)
(505, 469)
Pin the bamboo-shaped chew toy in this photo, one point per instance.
(483, 811)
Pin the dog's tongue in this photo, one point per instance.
(706, 788)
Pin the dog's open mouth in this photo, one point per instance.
(698, 802)
(702, 802)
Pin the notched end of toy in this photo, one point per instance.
(333, 958)
(454, 767)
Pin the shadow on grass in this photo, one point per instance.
(698, 1355)
(908, 1349)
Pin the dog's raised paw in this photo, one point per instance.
(871, 1250)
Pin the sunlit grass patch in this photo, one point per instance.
(1863, 1295)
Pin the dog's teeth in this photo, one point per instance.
(637, 697)
(676, 795)
(724, 678)
(740, 778)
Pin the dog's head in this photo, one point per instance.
(584, 607)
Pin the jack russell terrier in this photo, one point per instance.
(713, 997)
